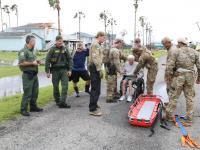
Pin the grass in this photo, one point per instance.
(7, 71)
(159, 53)
(10, 106)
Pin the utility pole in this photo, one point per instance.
(79, 15)
(1, 16)
(147, 29)
(135, 25)
(198, 25)
(142, 22)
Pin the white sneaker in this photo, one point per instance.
(129, 99)
(122, 98)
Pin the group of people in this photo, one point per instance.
(65, 67)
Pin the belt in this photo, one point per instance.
(183, 70)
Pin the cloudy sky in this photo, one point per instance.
(173, 18)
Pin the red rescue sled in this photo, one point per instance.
(145, 110)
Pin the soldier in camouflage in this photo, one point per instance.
(147, 60)
(180, 66)
(137, 48)
(112, 69)
(167, 43)
(95, 68)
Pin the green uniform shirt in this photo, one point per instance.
(27, 55)
(58, 58)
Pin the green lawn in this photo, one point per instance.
(159, 53)
(7, 71)
(10, 106)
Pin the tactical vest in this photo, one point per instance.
(59, 58)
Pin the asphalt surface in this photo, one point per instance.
(75, 129)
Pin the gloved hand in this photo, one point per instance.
(101, 74)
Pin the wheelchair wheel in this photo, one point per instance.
(140, 86)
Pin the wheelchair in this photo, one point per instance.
(138, 86)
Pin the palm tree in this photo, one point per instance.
(112, 22)
(14, 7)
(6, 9)
(79, 15)
(56, 5)
(104, 16)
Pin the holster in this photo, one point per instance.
(111, 69)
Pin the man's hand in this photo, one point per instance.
(197, 82)
(168, 79)
(101, 74)
(48, 75)
(35, 63)
(39, 62)
(69, 73)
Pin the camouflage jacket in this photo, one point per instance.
(146, 60)
(185, 58)
(135, 50)
(115, 57)
(96, 55)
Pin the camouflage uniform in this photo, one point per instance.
(112, 69)
(147, 60)
(135, 49)
(181, 66)
(169, 55)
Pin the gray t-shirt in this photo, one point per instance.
(129, 69)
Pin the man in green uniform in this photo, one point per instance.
(29, 66)
(59, 64)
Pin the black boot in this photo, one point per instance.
(64, 106)
(25, 113)
(36, 109)
(87, 89)
(77, 91)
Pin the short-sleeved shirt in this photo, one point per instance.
(79, 59)
(27, 55)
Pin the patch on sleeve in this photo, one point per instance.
(21, 53)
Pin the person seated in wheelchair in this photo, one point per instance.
(128, 80)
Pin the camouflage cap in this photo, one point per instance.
(118, 41)
(183, 41)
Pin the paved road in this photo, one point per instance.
(74, 129)
(10, 88)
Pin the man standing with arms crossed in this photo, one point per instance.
(95, 66)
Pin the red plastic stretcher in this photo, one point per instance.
(145, 110)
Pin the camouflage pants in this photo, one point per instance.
(182, 82)
(151, 78)
(111, 86)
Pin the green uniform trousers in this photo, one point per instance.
(57, 76)
(31, 89)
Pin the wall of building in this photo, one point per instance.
(16, 44)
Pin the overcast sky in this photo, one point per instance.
(173, 18)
